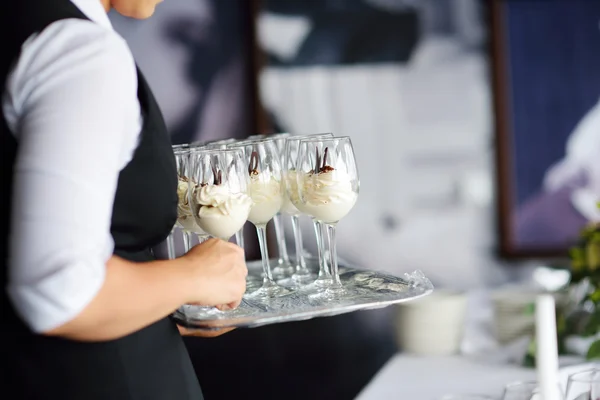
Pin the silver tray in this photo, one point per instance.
(373, 290)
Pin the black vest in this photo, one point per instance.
(149, 364)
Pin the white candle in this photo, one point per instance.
(547, 348)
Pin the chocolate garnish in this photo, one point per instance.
(214, 171)
(217, 175)
(253, 165)
(321, 165)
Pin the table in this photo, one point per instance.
(429, 378)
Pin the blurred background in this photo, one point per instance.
(476, 130)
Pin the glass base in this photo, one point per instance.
(283, 270)
(253, 284)
(304, 277)
(268, 290)
(317, 285)
(329, 293)
(297, 280)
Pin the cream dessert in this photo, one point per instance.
(291, 194)
(267, 197)
(327, 195)
(185, 218)
(287, 207)
(220, 212)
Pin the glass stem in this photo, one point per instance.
(187, 241)
(171, 245)
(300, 262)
(335, 274)
(239, 238)
(323, 270)
(264, 252)
(284, 258)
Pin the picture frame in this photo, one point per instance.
(545, 95)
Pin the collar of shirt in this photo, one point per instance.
(94, 10)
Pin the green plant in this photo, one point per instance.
(581, 316)
(585, 265)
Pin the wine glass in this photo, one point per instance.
(185, 219)
(171, 254)
(218, 191)
(266, 190)
(328, 186)
(290, 159)
(522, 391)
(223, 144)
(284, 268)
(217, 194)
(584, 385)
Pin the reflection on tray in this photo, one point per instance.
(366, 290)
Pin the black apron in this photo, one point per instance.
(151, 364)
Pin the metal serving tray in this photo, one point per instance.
(371, 290)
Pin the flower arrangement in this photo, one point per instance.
(580, 315)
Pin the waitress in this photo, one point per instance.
(88, 188)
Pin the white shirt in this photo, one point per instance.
(71, 102)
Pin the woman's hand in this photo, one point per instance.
(210, 333)
(218, 274)
(211, 274)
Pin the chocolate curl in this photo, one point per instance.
(253, 166)
(217, 176)
(324, 167)
(317, 162)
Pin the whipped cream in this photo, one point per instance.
(290, 196)
(327, 196)
(185, 217)
(267, 197)
(221, 213)
(183, 205)
(287, 207)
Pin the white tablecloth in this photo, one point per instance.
(429, 378)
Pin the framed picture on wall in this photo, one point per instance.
(545, 63)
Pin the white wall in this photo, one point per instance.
(422, 134)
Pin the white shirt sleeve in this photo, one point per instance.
(71, 102)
